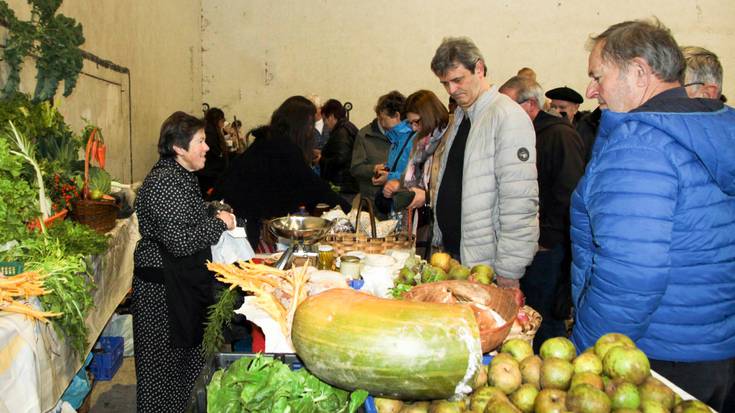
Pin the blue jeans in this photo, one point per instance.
(539, 286)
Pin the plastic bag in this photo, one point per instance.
(79, 386)
(232, 246)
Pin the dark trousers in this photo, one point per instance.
(539, 286)
(708, 381)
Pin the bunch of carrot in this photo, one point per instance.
(96, 150)
(25, 285)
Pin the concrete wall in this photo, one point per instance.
(160, 42)
(258, 52)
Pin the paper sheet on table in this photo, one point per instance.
(275, 341)
(232, 246)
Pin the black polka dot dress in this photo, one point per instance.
(171, 215)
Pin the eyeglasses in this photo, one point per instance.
(415, 122)
(694, 83)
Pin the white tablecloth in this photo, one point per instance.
(35, 366)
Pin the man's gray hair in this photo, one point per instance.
(526, 89)
(702, 66)
(649, 40)
(454, 50)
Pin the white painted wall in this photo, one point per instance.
(256, 53)
(160, 42)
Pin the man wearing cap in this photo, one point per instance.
(566, 101)
(487, 200)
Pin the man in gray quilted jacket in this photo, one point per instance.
(487, 202)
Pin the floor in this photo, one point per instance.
(116, 395)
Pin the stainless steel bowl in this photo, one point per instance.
(306, 230)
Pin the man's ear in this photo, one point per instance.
(480, 68)
(708, 91)
(639, 68)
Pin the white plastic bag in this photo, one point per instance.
(232, 246)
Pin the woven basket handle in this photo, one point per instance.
(364, 201)
(410, 212)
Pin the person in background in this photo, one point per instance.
(528, 73)
(274, 177)
(336, 157)
(587, 129)
(429, 119)
(487, 199)
(652, 218)
(217, 156)
(321, 134)
(171, 285)
(560, 164)
(370, 152)
(703, 75)
(566, 101)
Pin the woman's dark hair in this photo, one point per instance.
(177, 130)
(294, 120)
(430, 109)
(213, 116)
(333, 107)
(391, 103)
(258, 133)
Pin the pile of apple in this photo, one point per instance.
(612, 376)
(440, 267)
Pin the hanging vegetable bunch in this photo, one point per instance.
(97, 182)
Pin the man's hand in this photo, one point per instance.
(419, 199)
(391, 187)
(317, 155)
(507, 282)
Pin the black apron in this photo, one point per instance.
(188, 294)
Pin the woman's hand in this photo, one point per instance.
(380, 177)
(419, 199)
(228, 219)
(391, 187)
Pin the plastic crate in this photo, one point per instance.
(370, 402)
(108, 357)
(8, 268)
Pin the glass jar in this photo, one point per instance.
(349, 266)
(326, 258)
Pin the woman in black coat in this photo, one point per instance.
(273, 177)
(171, 285)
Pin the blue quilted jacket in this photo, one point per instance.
(653, 232)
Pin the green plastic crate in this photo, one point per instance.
(10, 268)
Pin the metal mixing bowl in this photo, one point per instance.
(305, 230)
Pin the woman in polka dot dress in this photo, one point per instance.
(175, 229)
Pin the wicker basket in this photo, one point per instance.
(526, 331)
(347, 241)
(98, 215)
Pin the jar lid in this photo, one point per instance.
(349, 258)
(325, 248)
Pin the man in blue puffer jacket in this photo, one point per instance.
(653, 219)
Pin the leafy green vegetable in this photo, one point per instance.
(18, 201)
(266, 385)
(68, 281)
(76, 238)
(219, 316)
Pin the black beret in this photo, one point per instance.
(565, 93)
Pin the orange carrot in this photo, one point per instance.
(101, 154)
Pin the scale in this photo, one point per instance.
(302, 232)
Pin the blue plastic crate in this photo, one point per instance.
(370, 402)
(108, 357)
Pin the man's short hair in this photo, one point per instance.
(526, 89)
(702, 66)
(649, 40)
(453, 51)
(391, 103)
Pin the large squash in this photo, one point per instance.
(391, 348)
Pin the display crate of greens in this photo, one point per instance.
(222, 361)
(8, 268)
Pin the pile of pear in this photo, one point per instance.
(612, 376)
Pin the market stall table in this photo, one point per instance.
(36, 366)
